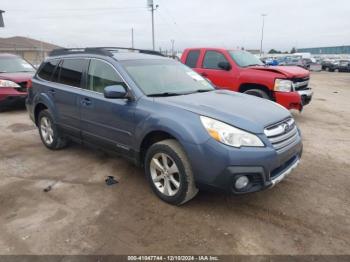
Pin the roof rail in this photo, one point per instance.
(69, 51)
(143, 51)
(107, 51)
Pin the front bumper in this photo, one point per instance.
(7, 101)
(11, 97)
(217, 166)
(278, 178)
(306, 96)
(294, 100)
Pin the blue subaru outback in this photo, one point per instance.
(166, 118)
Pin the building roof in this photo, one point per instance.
(25, 43)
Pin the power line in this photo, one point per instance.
(76, 9)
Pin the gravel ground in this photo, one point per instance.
(308, 213)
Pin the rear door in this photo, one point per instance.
(106, 122)
(211, 70)
(66, 93)
(192, 58)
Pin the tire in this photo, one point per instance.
(49, 134)
(258, 93)
(163, 182)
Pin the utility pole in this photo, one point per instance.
(2, 24)
(132, 37)
(153, 8)
(172, 47)
(262, 33)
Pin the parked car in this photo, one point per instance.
(344, 66)
(241, 71)
(270, 61)
(330, 65)
(15, 75)
(165, 117)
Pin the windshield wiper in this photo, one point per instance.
(165, 94)
(253, 65)
(200, 91)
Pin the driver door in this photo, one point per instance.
(210, 69)
(108, 123)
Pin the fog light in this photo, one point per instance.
(241, 182)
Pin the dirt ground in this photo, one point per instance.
(308, 213)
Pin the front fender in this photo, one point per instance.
(185, 127)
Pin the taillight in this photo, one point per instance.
(29, 83)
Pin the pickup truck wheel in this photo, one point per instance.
(169, 172)
(49, 134)
(258, 93)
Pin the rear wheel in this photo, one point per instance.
(258, 93)
(49, 134)
(169, 172)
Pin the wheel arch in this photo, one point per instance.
(248, 86)
(151, 138)
(43, 102)
(38, 108)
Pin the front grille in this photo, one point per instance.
(301, 83)
(282, 135)
(23, 87)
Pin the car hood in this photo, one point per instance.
(16, 77)
(287, 71)
(247, 112)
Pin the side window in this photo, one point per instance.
(192, 58)
(71, 72)
(212, 59)
(56, 74)
(47, 69)
(101, 74)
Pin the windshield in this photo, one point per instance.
(165, 77)
(14, 64)
(244, 59)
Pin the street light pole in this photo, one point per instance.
(2, 24)
(172, 47)
(262, 33)
(153, 8)
(132, 37)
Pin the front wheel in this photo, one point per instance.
(169, 172)
(258, 93)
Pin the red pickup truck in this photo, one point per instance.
(241, 71)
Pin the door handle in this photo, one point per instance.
(52, 91)
(86, 101)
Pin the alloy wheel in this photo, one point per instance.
(46, 130)
(165, 174)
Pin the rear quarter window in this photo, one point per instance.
(71, 72)
(47, 69)
(192, 58)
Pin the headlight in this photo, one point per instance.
(283, 85)
(8, 83)
(229, 135)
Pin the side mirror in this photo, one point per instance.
(115, 91)
(225, 66)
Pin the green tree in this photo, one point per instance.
(273, 51)
(293, 50)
